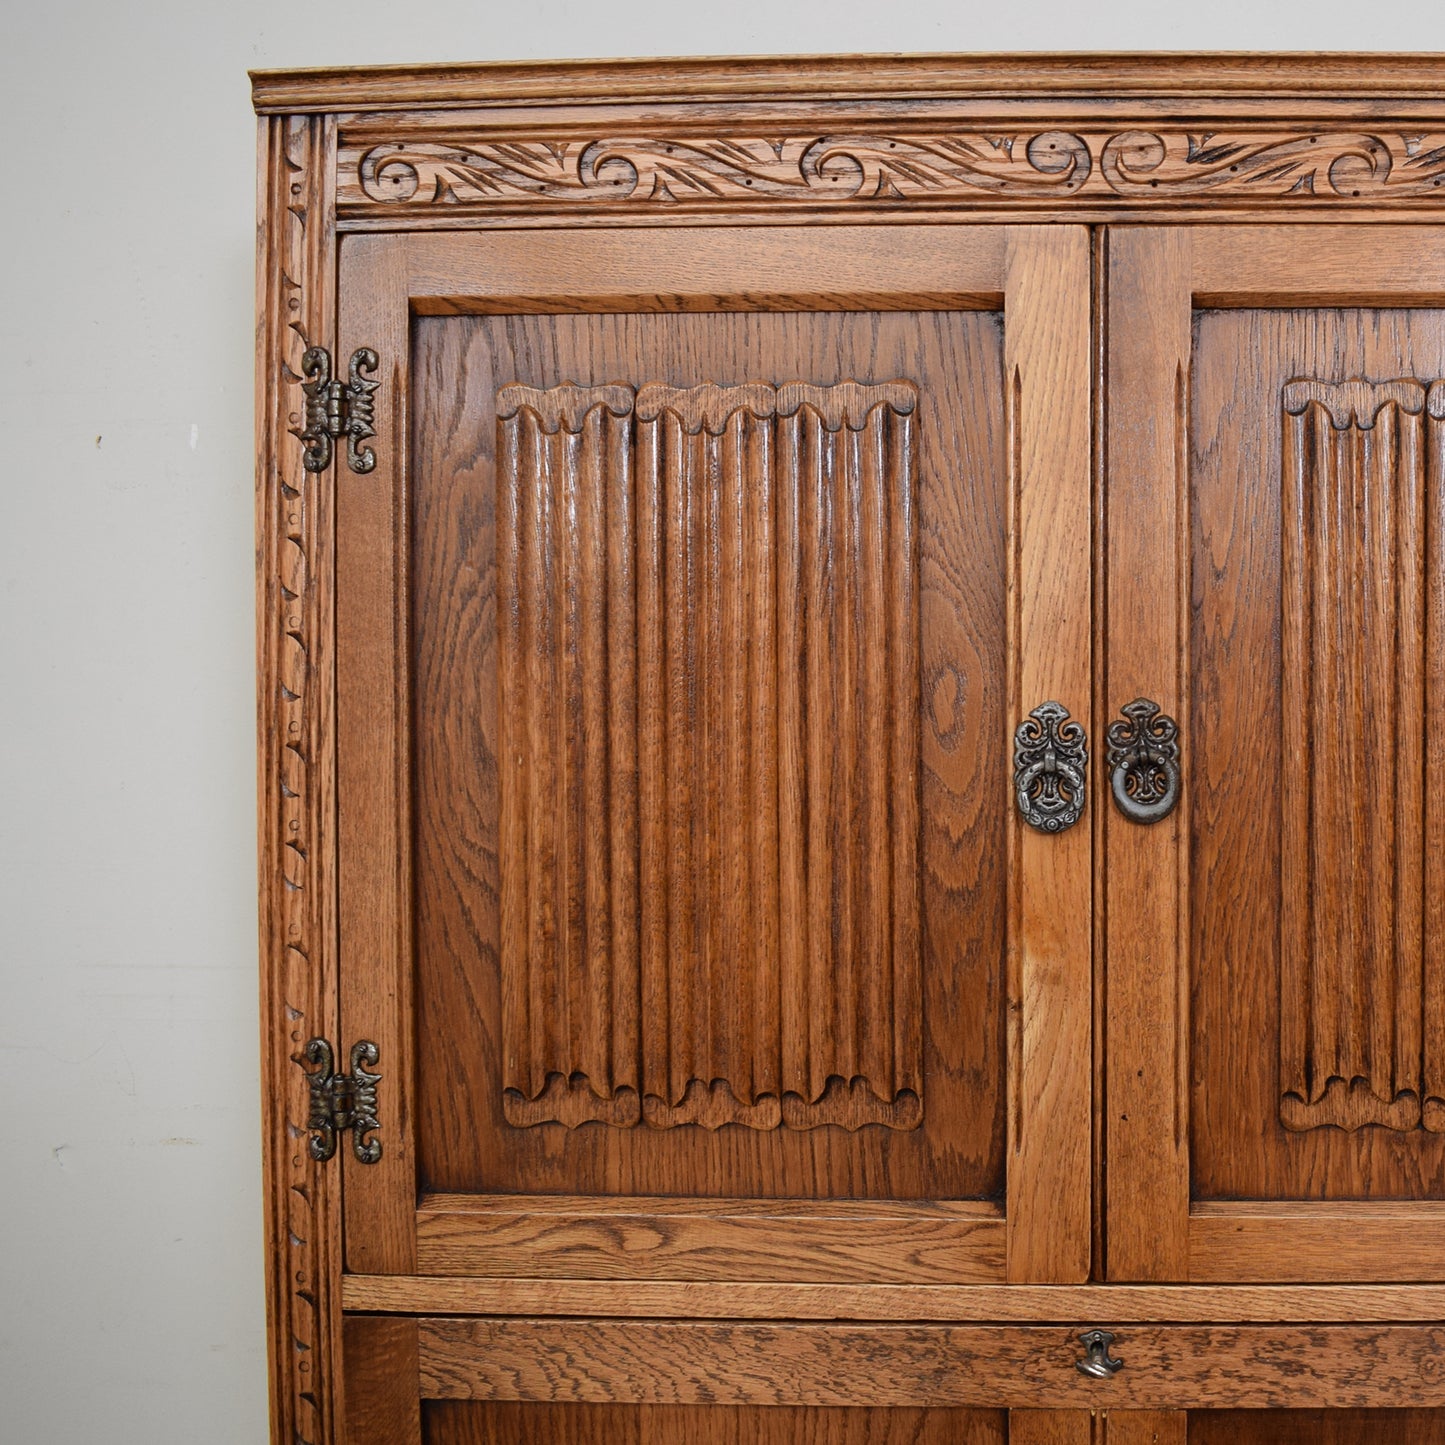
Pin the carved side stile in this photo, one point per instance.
(710, 801)
(1361, 967)
(295, 270)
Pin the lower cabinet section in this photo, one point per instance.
(1317, 1427)
(474, 1422)
(447, 1422)
(436, 1380)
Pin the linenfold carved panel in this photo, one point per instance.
(710, 788)
(1362, 1009)
(1002, 168)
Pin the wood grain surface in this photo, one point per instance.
(1052, 1427)
(465, 1140)
(1362, 1028)
(381, 1374)
(709, 810)
(1111, 76)
(1179, 1367)
(1259, 1304)
(1317, 1427)
(1309, 643)
(1316, 1241)
(782, 268)
(1050, 888)
(373, 797)
(1142, 1427)
(1146, 881)
(456, 1422)
(636, 1237)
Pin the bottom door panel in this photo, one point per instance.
(1317, 1427)
(448, 1422)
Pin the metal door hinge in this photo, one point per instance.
(336, 409)
(343, 1101)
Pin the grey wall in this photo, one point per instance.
(130, 1216)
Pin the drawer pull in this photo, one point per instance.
(1097, 1361)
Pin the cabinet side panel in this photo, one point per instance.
(295, 298)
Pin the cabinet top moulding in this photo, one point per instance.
(1006, 77)
(1075, 138)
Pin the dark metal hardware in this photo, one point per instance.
(343, 1101)
(336, 409)
(1144, 762)
(1097, 1361)
(1051, 760)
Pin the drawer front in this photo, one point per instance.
(834, 1365)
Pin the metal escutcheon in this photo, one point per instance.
(1098, 1362)
(1144, 762)
(1051, 760)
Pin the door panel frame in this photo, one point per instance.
(1156, 277)
(1040, 277)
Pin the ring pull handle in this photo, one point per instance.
(1051, 761)
(1144, 762)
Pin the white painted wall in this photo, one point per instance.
(130, 1215)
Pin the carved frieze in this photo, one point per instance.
(1008, 167)
(808, 168)
(710, 795)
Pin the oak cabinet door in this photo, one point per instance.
(1317, 1427)
(1275, 498)
(682, 626)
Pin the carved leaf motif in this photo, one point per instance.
(812, 168)
(985, 168)
(1344, 165)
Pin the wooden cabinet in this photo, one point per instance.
(850, 654)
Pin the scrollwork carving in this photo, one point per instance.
(1323, 165)
(963, 168)
(812, 168)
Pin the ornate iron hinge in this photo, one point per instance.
(343, 1101)
(336, 409)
